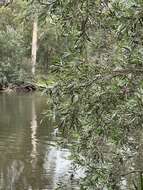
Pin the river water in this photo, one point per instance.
(30, 158)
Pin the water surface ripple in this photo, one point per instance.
(29, 156)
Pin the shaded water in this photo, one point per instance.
(29, 156)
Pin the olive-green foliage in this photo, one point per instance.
(50, 46)
(13, 49)
(99, 89)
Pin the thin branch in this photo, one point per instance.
(132, 172)
(47, 4)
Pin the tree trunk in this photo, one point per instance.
(34, 44)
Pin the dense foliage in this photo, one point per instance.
(16, 37)
(14, 60)
(99, 86)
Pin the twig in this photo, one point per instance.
(132, 172)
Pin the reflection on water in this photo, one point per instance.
(27, 160)
(34, 126)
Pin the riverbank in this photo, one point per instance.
(25, 87)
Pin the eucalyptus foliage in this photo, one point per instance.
(98, 96)
(14, 62)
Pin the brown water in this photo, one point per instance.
(29, 156)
